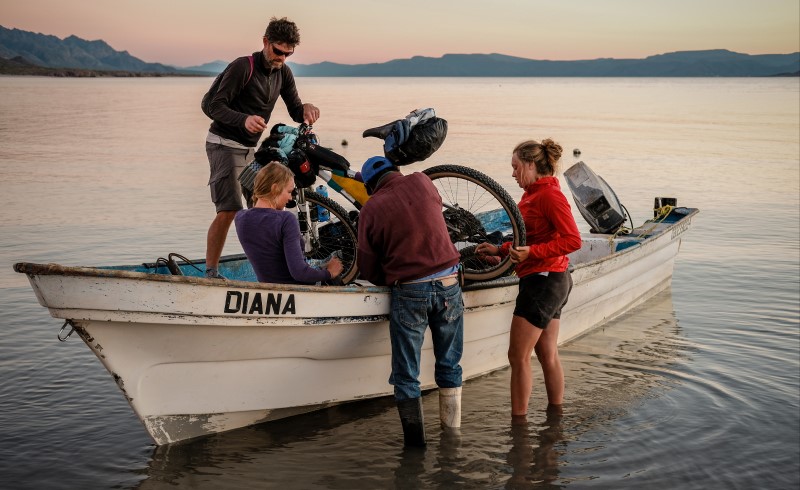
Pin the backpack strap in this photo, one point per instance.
(252, 68)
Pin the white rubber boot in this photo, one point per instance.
(450, 407)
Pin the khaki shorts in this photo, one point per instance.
(226, 164)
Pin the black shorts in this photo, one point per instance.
(541, 298)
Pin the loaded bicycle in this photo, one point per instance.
(475, 207)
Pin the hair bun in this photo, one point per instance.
(553, 150)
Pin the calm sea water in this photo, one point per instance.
(698, 388)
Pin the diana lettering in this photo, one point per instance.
(269, 303)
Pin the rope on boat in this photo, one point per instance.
(661, 215)
(622, 230)
(72, 329)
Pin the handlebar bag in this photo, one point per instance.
(304, 172)
(325, 157)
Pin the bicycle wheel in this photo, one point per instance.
(336, 233)
(477, 209)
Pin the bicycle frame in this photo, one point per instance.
(345, 183)
(304, 217)
(473, 204)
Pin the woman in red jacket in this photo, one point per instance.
(545, 282)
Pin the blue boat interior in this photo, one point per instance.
(236, 267)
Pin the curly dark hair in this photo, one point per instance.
(282, 31)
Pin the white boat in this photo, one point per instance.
(196, 356)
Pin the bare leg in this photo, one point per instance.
(524, 337)
(547, 354)
(217, 233)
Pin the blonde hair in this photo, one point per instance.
(544, 155)
(272, 173)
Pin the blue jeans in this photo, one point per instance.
(414, 307)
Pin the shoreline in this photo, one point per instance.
(14, 68)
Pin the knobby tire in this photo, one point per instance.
(467, 194)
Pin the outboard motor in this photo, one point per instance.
(596, 201)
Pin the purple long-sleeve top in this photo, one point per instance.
(273, 245)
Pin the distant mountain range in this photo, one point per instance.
(23, 50)
(710, 63)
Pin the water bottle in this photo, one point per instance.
(322, 212)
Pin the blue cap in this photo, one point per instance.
(373, 167)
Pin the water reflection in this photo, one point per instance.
(609, 374)
(534, 453)
(411, 468)
(270, 453)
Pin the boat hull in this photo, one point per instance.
(195, 356)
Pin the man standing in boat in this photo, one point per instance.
(240, 103)
(403, 243)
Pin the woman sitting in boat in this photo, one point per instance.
(270, 236)
(545, 282)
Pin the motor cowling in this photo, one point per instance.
(596, 201)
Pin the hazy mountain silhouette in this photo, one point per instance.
(72, 52)
(709, 63)
(212, 67)
(40, 50)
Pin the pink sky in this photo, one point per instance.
(191, 32)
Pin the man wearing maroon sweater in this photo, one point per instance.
(403, 243)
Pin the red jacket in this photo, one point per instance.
(402, 235)
(551, 231)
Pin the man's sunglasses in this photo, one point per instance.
(279, 52)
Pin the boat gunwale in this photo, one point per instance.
(53, 269)
(645, 239)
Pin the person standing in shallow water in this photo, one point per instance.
(403, 243)
(542, 266)
(240, 109)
